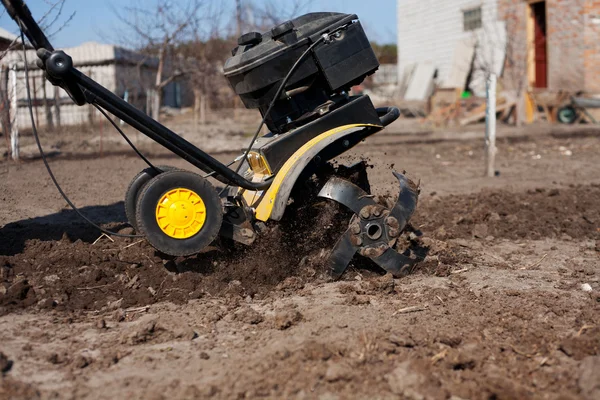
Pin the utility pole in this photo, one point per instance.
(490, 126)
(238, 4)
(238, 14)
(14, 134)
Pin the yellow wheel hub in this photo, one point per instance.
(181, 213)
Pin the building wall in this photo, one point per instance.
(429, 31)
(70, 114)
(573, 43)
(591, 52)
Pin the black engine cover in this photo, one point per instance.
(261, 62)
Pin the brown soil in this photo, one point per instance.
(497, 310)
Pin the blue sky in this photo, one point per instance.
(94, 18)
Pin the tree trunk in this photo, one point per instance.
(157, 95)
(520, 109)
(47, 109)
(197, 95)
(156, 102)
(57, 106)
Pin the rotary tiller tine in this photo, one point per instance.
(395, 263)
(342, 254)
(407, 201)
(346, 193)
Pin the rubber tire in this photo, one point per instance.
(569, 118)
(134, 189)
(151, 194)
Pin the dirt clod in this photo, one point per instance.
(247, 315)
(338, 372)
(405, 381)
(287, 318)
(589, 377)
(81, 362)
(5, 364)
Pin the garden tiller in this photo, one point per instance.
(298, 75)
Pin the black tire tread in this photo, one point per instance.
(132, 191)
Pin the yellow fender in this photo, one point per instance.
(274, 201)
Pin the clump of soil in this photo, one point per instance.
(535, 214)
(105, 275)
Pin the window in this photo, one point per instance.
(472, 19)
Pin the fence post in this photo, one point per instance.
(490, 126)
(4, 105)
(57, 105)
(14, 132)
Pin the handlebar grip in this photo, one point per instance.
(387, 115)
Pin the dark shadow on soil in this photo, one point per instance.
(67, 222)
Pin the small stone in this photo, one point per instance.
(553, 192)
(204, 356)
(101, 324)
(586, 287)
(119, 315)
(50, 279)
(81, 362)
(402, 341)
(47, 304)
(494, 217)
(480, 231)
(55, 358)
(338, 372)
(450, 340)
(115, 305)
(126, 231)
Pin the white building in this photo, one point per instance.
(443, 34)
(128, 74)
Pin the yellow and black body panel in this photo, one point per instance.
(271, 203)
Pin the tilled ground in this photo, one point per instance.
(506, 304)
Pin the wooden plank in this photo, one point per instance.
(421, 83)
(530, 107)
(461, 65)
(475, 117)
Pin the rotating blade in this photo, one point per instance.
(346, 193)
(407, 201)
(397, 264)
(342, 254)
